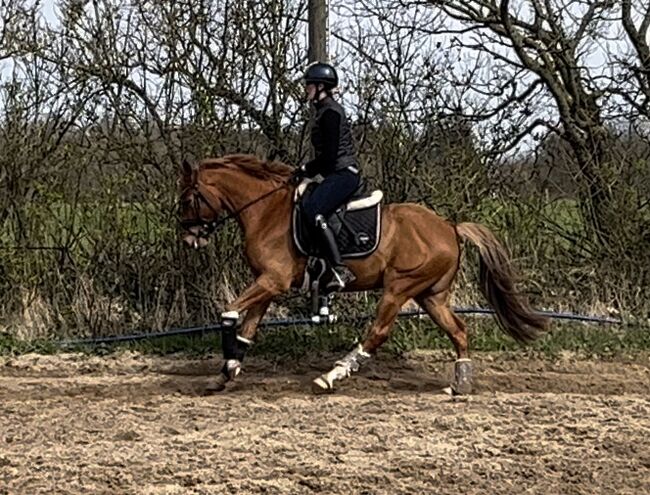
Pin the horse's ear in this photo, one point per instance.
(187, 168)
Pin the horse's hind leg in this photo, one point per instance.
(437, 307)
(387, 311)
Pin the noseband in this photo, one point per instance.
(206, 228)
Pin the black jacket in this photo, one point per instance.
(331, 138)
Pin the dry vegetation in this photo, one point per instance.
(505, 124)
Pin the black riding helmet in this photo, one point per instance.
(321, 73)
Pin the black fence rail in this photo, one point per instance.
(280, 322)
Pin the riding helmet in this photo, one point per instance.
(321, 73)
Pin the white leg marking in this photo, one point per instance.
(230, 317)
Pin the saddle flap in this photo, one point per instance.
(356, 224)
(357, 232)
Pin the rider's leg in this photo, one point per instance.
(341, 274)
(324, 200)
(330, 194)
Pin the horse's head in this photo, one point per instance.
(235, 183)
(199, 208)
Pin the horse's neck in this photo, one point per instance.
(240, 192)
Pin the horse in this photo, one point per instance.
(417, 257)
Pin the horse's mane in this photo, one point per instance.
(252, 165)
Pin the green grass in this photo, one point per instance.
(11, 346)
(590, 341)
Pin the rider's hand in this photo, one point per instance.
(298, 175)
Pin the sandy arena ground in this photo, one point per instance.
(145, 425)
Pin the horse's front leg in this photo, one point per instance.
(235, 345)
(255, 300)
(264, 289)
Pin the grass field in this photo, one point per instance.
(293, 342)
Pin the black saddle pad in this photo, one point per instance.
(357, 232)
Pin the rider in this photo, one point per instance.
(334, 160)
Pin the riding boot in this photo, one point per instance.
(341, 274)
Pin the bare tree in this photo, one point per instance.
(541, 49)
(636, 22)
(388, 72)
(238, 61)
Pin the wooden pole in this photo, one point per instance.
(318, 27)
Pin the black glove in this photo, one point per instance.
(298, 175)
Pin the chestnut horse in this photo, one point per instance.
(417, 258)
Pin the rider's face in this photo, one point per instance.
(310, 90)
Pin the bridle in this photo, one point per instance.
(208, 227)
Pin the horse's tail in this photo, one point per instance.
(497, 277)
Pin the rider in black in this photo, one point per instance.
(334, 160)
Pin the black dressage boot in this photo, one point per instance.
(341, 274)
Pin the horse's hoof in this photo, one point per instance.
(321, 386)
(460, 389)
(454, 394)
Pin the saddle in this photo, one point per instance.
(356, 225)
(357, 229)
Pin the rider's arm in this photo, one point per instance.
(330, 127)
